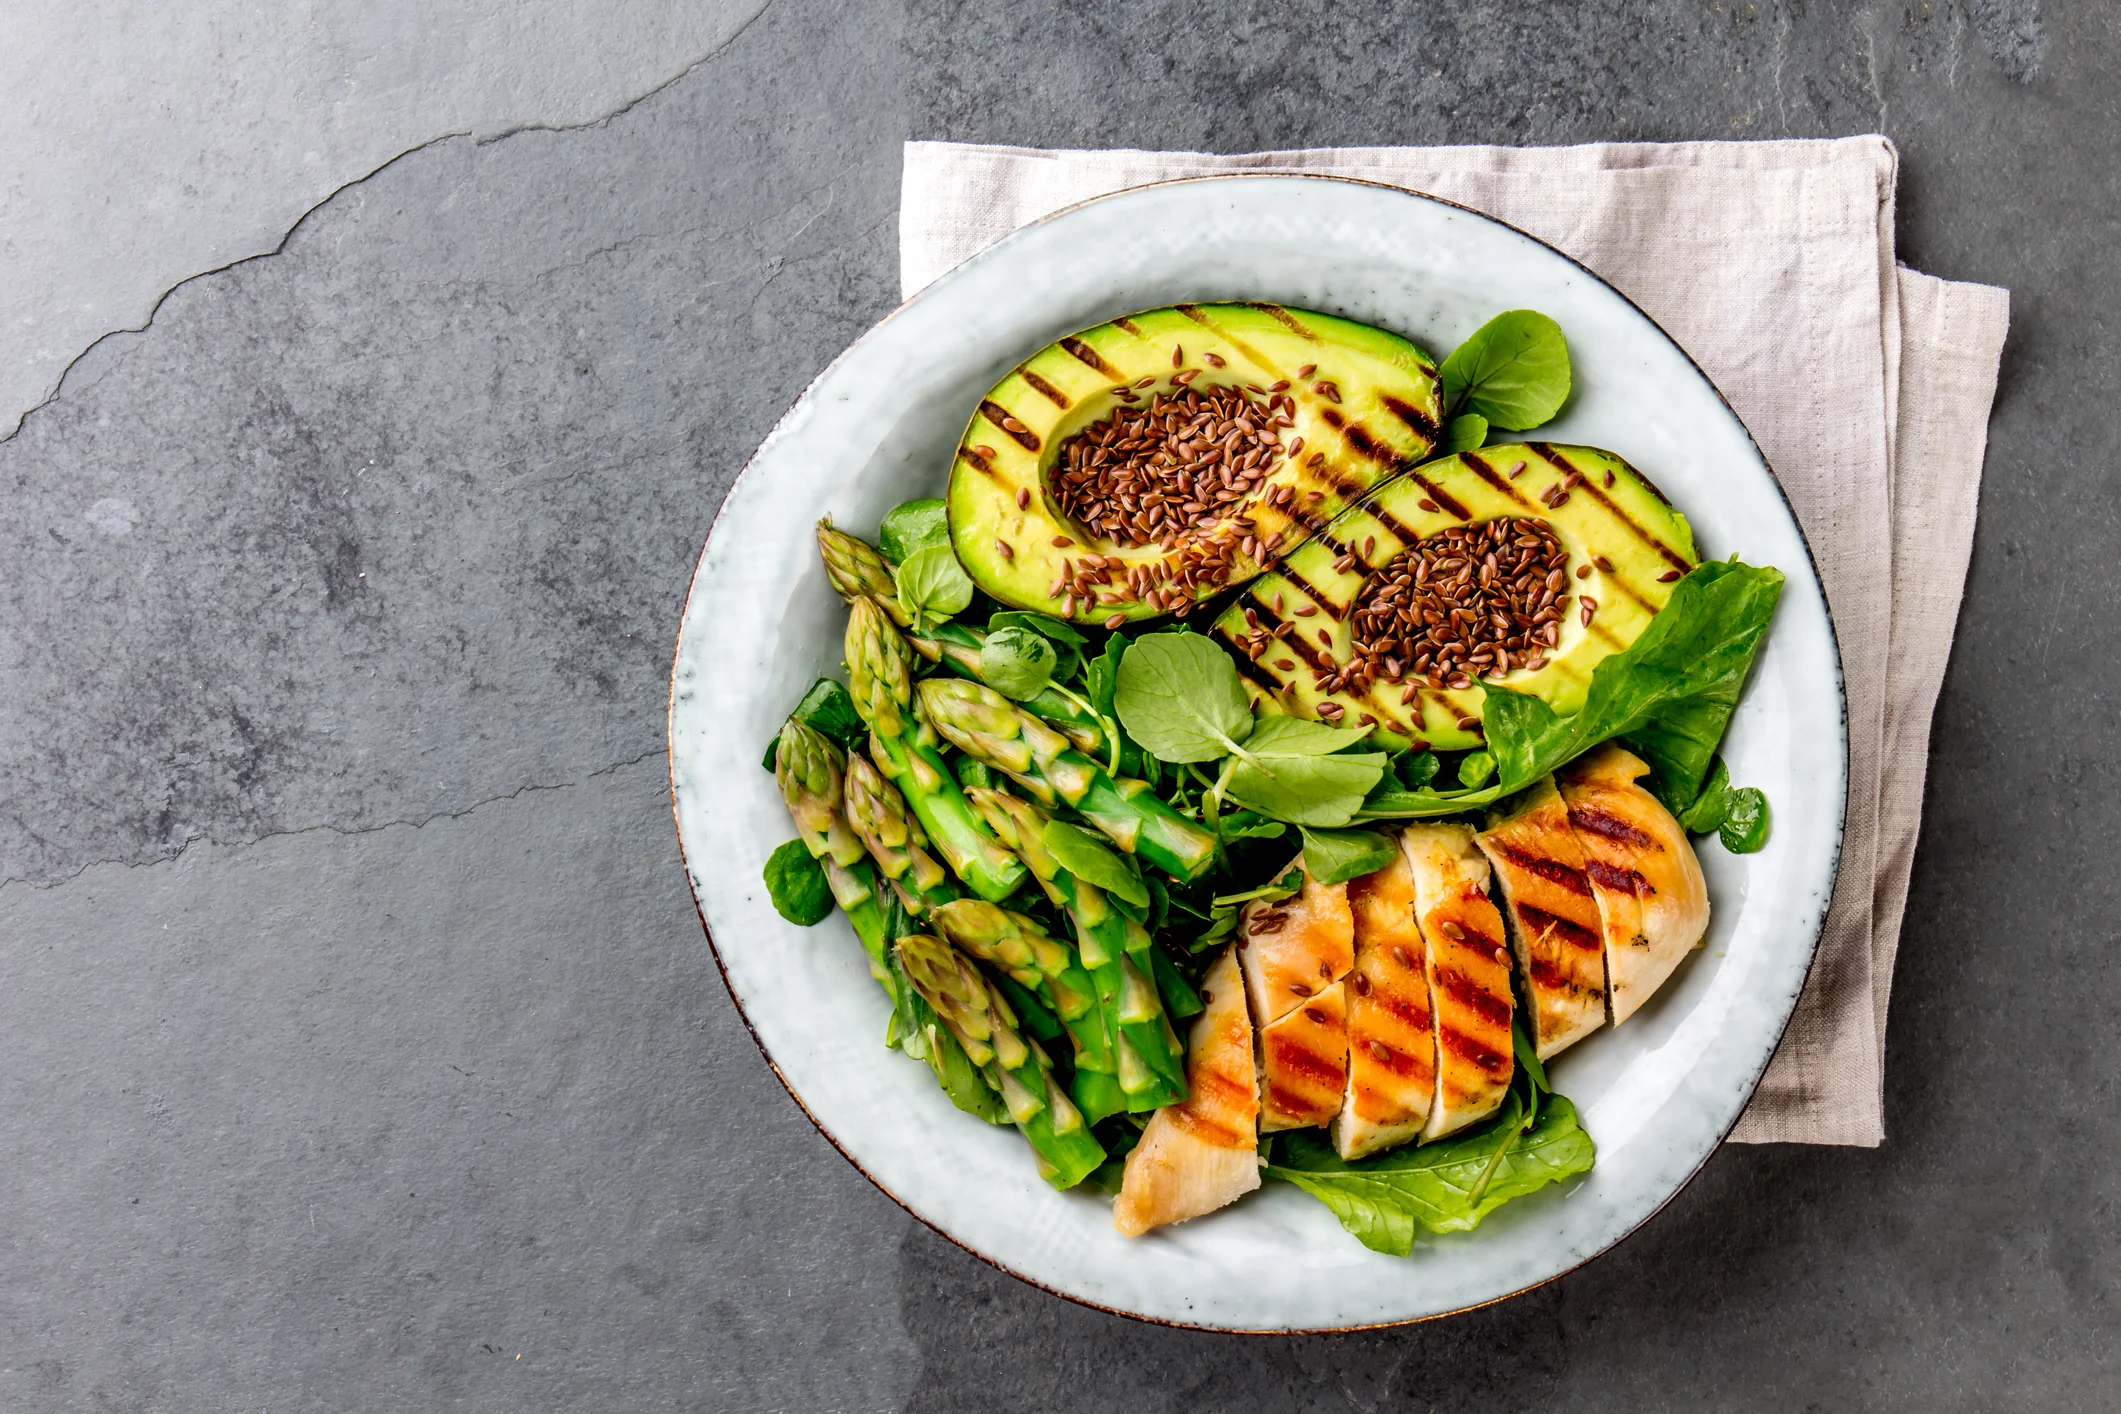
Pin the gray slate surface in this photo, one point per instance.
(358, 1035)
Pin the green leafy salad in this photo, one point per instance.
(1065, 776)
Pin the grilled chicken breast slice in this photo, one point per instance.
(1653, 904)
(1391, 1034)
(1469, 974)
(1196, 1156)
(1552, 917)
(1294, 949)
(1303, 1063)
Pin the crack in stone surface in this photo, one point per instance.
(330, 827)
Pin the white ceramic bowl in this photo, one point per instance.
(878, 427)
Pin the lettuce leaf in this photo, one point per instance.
(1438, 1187)
(1670, 693)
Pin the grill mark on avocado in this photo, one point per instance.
(1282, 316)
(1246, 668)
(974, 460)
(1044, 389)
(1090, 358)
(1423, 424)
(1245, 350)
(995, 413)
(1128, 325)
(1358, 436)
(1595, 492)
(1494, 478)
(1407, 538)
(1451, 504)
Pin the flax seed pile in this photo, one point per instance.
(1468, 602)
(1175, 465)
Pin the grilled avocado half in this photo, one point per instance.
(1613, 522)
(1365, 408)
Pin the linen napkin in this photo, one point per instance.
(1867, 385)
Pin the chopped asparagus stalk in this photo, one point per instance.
(1149, 1059)
(893, 836)
(980, 1019)
(1048, 967)
(994, 731)
(880, 679)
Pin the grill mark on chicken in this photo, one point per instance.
(1540, 922)
(1473, 1053)
(1472, 996)
(1598, 822)
(1294, 1059)
(1552, 870)
(1620, 881)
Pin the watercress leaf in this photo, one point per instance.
(829, 708)
(1090, 859)
(1290, 772)
(932, 586)
(1336, 856)
(1290, 882)
(1059, 630)
(1475, 769)
(1745, 821)
(1104, 674)
(1221, 926)
(1514, 371)
(1384, 1200)
(1017, 662)
(773, 751)
(1250, 825)
(915, 525)
(1468, 432)
(1179, 696)
(796, 884)
(1415, 769)
(1707, 810)
(1294, 736)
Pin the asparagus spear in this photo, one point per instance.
(1048, 967)
(991, 729)
(809, 767)
(880, 678)
(815, 778)
(893, 837)
(980, 1019)
(857, 570)
(1115, 949)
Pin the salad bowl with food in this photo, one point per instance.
(1267, 754)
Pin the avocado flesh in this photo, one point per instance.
(1384, 422)
(1629, 523)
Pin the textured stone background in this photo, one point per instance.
(357, 1037)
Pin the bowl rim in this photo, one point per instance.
(1832, 880)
